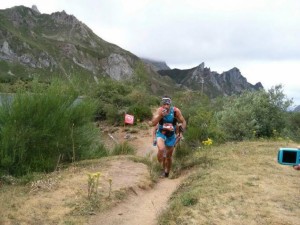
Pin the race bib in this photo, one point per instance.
(168, 126)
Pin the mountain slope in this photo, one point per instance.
(42, 45)
(58, 43)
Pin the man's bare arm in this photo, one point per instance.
(181, 119)
(156, 117)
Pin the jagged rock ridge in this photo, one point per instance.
(297, 109)
(211, 83)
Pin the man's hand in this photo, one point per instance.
(297, 167)
(164, 112)
(181, 130)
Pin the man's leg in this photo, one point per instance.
(161, 153)
(170, 143)
(168, 160)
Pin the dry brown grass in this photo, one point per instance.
(61, 197)
(244, 185)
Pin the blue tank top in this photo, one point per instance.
(169, 118)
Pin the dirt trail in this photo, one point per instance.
(143, 206)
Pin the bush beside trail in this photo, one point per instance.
(41, 129)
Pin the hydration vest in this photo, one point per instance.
(171, 119)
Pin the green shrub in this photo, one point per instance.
(112, 114)
(182, 151)
(114, 98)
(141, 112)
(255, 114)
(199, 112)
(95, 152)
(293, 126)
(37, 129)
(123, 149)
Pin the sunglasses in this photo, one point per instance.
(166, 101)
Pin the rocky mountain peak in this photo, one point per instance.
(22, 16)
(34, 8)
(201, 66)
(64, 18)
(233, 74)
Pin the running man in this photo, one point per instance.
(166, 118)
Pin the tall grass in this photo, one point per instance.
(241, 183)
(123, 149)
(39, 129)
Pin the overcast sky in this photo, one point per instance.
(260, 37)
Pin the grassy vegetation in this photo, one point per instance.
(123, 149)
(41, 129)
(241, 184)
